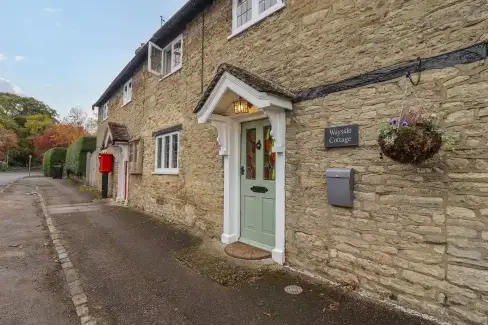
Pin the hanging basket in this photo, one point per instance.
(410, 144)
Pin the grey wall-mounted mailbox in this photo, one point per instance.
(340, 186)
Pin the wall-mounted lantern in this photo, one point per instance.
(241, 106)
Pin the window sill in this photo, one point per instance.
(166, 172)
(170, 74)
(263, 16)
(130, 101)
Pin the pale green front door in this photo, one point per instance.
(258, 175)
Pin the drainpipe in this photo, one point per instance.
(203, 39)
(126, 182)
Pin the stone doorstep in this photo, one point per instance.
(246, 252)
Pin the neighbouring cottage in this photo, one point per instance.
(189, 148)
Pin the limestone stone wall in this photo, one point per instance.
(408, 223)
(417, 234)
(337, 33)
(131, 114)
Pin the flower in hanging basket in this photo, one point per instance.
(411, 139)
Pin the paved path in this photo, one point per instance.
(135, 270)
(32, 288)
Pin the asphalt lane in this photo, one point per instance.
(32, 286)
(9, 176)
(131, 274)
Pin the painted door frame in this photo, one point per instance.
(120, 150)
(229, 138)
(122, 175)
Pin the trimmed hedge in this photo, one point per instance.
(76, 155)
(53, 157)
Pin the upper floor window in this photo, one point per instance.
(127, 92)
(164, 62)
(249, 12)
(104, 114)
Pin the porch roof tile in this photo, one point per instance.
(249, 78)
(119, 132)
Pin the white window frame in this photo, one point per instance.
(104, 114)
(163, 170)
(256, 16)
(127, 92)
(170, 47)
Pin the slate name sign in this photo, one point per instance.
(342, 136)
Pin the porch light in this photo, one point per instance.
(241, 106)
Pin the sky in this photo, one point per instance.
(66, 52)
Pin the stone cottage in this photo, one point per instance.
(218, 123)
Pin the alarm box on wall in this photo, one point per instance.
(340, 186)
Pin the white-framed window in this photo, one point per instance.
(163, 62)
(104, 114)
(167, 153)
(136, 150)
(248, 12)
(127, 92)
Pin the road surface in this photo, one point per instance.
(137, 271)
(11, 176)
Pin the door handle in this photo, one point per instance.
(259, 189)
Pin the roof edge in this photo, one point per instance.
(174, 26)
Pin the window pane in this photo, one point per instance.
(167, 62)
(166, 151)
(159, 152)
(251, 154)
(174, 156)
(177, 54)
(156, 57)
(266, 4)
(135, 148)
(269, 157)
(243, 12)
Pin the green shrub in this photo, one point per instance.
(53, 157)
(76, 155)
(3, 166)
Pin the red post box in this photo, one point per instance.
(106, 162)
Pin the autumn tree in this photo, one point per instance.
(8, 142)
(66, 134)
(27, 117)
(91, 125)
(37, 124)
(76, 116)
(60, 135)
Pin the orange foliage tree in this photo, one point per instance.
(60, 135)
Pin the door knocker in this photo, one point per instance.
(258, 145)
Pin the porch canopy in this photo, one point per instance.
(268, 100)
(115, 133)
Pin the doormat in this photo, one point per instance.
(246, 252)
